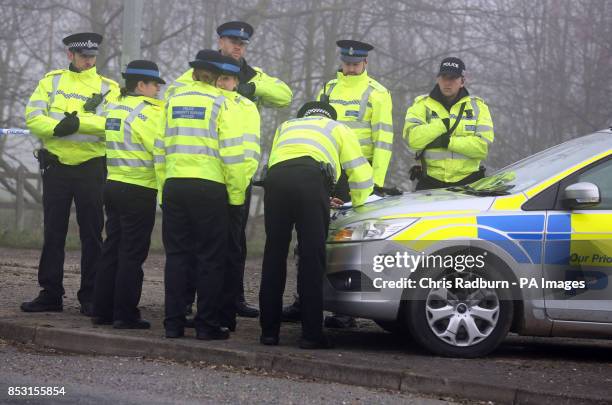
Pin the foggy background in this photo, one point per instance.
(543, 67)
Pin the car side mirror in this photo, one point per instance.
(581, 195)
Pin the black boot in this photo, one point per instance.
(41, 304)
(293, 312)
(244, 310)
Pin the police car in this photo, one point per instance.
(527, 249)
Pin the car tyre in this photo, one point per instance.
(473, 336)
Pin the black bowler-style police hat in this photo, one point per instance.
(317, 107)
(86, 43)
(236, 29)
(452, 66)
(143, 70)
(209, 59)
(353, 51)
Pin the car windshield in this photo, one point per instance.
(537, 168)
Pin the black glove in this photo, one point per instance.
(379, 191)
(68, 125)
(247, 90)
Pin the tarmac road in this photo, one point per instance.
(522, 370)
(122, 380)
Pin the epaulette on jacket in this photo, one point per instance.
(56, 72)
(111, 81)
(377, 86)
(420, 98)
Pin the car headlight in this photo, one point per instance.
(371, 229)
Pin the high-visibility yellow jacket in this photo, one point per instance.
(132, 126)
(469, 143)
(202, 139)
(269, 91)
(365, 106)
(250, 124)
(66, 91)
(325, 141)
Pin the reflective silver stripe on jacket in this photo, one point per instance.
(483, 128)
(128, 144)
(311, 142)
(361, 184)
(250, 153)
(56, 115)
(365, 141)
(173, 89)
(327, 131)
(195, 93)
(364, 102)
(226, 143)
(38, 104)
(415, 121)
(475, 108)
(212, 125)
(357, 124)
(127, 129)
(251, 138)
(351, 164)
(189, 131)
(129, 162)
(433, 155)
(54, 86)
(79, 138)
(192, 150)
(383, 145)
(229, 160)
(104, 87)
(35, 113)
(382, 127)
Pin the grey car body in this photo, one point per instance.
(539, 219)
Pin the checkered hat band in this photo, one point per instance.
(83, 44)
(317, 111)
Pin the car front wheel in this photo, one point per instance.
(459, 322)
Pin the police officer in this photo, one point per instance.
(132, 126)
(227, 83)
(256, 85)
(204, 173)
(450, 130)
(65, 112)
(365, 106)
(307, 156)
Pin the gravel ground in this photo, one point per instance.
(120, 380)
(565, 366)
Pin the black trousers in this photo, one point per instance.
(243, 245)
(235, 264)
(295, 195)
(130, 217)
(61, 185)
(194, 231)
(427, 183)
(232, 280)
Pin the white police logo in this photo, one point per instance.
(350, 52)
(451, 64)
